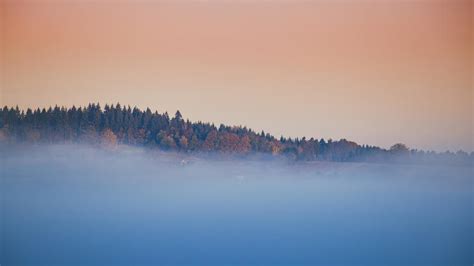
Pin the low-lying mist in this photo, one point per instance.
(72, 204)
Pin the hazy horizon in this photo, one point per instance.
(376, 73)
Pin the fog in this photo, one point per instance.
(71, 204)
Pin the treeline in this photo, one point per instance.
(118, 124)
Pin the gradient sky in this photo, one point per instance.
(376, 72)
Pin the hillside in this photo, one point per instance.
(118, 124)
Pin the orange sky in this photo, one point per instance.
(375, 72)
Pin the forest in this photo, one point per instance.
(122, 125)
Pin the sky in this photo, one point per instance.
(375, 72)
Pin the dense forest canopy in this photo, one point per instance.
(119, 124)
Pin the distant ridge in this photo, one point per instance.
(119, 124)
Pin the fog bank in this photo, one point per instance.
(72, 204)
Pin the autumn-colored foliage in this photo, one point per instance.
(108, 138)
